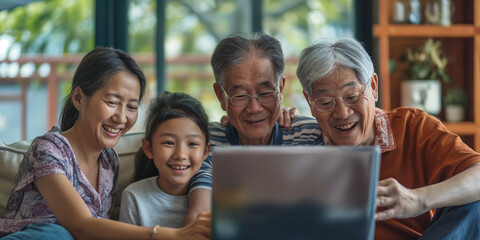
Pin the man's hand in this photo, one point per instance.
(224, 120)
(286, 116)
(284, 119)
(399, 201)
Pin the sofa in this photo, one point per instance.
(12, 154)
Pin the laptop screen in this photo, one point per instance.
(294, 192)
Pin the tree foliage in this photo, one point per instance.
(51, 27)
(54, 27)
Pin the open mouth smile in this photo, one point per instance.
(112, 130)
(178, 167)
(346, 127)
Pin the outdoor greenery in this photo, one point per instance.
(196, 26)
(55, 27)
(51, 27)
(193, 27)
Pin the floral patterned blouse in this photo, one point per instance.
(52, 154)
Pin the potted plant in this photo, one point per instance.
(455, 100)
(425, 69)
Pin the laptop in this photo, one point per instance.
(294, 192)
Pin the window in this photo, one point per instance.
(34, 40)
(50, 37)
(194, 27)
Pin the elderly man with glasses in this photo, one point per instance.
(249, 84)
(429, 179)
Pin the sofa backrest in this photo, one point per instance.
(11, 155)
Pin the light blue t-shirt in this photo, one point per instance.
(145, 204)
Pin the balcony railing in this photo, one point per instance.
(181, 71)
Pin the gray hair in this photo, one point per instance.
(324, 57)
(235, 49)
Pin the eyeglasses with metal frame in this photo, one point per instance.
(327, 104)
(241, 100)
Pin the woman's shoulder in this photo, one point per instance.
(51, 139)
(48, 154)
(52, 143)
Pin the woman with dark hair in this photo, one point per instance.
(67, 177)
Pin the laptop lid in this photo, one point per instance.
(294, 192)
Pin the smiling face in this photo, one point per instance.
(346, 125)
(110, 112)
(178, 148)
(254, 122)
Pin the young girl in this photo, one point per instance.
(68, 176)
(174, 147)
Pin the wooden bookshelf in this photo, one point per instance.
(461, 44)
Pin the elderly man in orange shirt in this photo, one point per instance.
(424, 166)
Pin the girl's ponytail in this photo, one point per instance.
(144, 166)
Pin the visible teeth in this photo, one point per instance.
(345, 127)
(179, 167)
(112, 130)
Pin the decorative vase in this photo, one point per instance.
(446, 19)
(422, 94)
(454, 113)
(414, 14)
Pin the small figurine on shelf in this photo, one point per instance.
(432, 12)
(447, 10)
(439, 12)
(399, 11)
(414, 13)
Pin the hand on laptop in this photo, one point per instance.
(398, 201)
(200, 228)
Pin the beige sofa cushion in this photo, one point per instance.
(11, 155)
(126, 149)
(10, 158)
